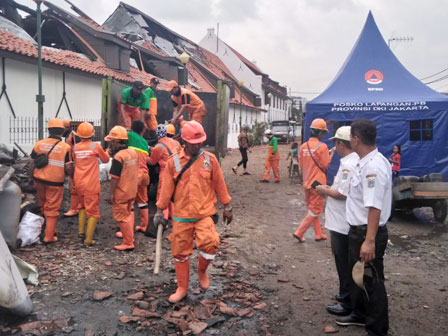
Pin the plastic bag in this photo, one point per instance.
(104, 171)
(29, 228)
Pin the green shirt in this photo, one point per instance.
(149, 92)
(128, 99)
(137, 142)
(274, 143)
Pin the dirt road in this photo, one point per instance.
(263, 281)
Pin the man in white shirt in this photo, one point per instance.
(368, 209)
(335, 218)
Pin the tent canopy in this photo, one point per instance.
(373, 84)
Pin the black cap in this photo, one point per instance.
(138, 85)
(155, 80)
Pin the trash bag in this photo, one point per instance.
(104, 171)
(29, 229)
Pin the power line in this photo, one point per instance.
(437, 73)
(437, 80)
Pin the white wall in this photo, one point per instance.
(83, 93)
(240, 70)
(248, 117)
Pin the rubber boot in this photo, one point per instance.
(50, 230)
(82, 222)
(318, 230)
(204, 281)
(144, 219)
(183, 277)
(303, 226)
(91, 224)
(127, 229)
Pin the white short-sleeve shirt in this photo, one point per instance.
(370, 186)
(335, 218)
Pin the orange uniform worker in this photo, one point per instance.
(51, 162)
(314, 160)
(71, 139)
(193, 178)
(185, 100)
(272, 159)
(151, 117)
(165, 148)
(87, 179)
(123, 184)
(140, 145)
(133, 104)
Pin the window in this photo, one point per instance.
(420, 130)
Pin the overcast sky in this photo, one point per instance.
(302, 43)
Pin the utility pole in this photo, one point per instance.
(40, 98)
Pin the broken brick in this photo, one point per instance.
(136, 296)
(100, 296)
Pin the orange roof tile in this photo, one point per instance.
(10, 42)
(196, 76)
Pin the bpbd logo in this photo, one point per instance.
(374, 77)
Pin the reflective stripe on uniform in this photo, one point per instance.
(182, 260)
(56, 163)
(177, 163)
(312, 213)
(207, 256)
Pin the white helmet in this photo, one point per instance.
(268, 132)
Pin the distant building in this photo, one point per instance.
(273, 97)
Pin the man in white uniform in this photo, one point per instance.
(335, 219)
(368, 210)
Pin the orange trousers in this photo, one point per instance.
(142, 188)
(130, 114)
(90, 203)
(49, 198)
(121, 209)
(314, 202)
(274, 164)
(183, 234)
(74, 198)
(197, 116)
(151, 121)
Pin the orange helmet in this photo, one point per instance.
(85, 130)
(319, 124)
(171, 85)
(182, 123)
(117, 133)
(170, 129)
(193, 133)
(66, 123)
(55, 123)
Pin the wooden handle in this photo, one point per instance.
(158, 248)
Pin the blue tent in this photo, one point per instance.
(373, 84)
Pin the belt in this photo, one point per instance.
(363, 228)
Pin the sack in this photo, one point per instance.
(29, 229)
(41, 160)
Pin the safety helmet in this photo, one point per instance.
(193, 132)
(183, 123)
(85, 130)
(66, 122)
(268, 132)
(342, 133)
(170, 129)
(161, 131)
(117, 133)
(171, 85)
(319, 124)
(55, 123)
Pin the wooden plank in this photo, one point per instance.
(405, 185)
(431, 194)
(430, 186)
